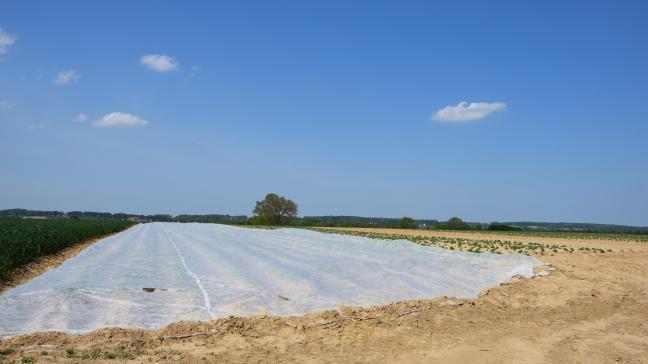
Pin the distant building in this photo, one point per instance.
(139, 220)
(45, 217)
(35, 217)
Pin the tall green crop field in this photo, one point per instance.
(23, 240)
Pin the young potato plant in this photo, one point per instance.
(571, 235)
(469, 245)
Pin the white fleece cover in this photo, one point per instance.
(208, 271)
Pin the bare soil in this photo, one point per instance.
(592, 309)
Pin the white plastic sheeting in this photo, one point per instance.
(207, 271)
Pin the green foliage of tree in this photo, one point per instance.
(456, 223)
(274, 210)
(406, 223)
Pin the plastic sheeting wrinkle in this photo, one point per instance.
(208, 306)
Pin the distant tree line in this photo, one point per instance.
(356, 221)
(213, 218)
(25, 212)
(502, 227)
(278, 210)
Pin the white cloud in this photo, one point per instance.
(120, 120)
(6, 41)
(5, 104)
(67, 76)
(81, 118)
(464, 111)
(159, 62)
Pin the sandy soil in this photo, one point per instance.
(592, 309)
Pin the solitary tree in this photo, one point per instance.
(456, 223)
(406, 223)
(274, 210)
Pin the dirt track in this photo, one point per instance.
(592, 309)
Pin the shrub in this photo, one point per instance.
(406, 223)
(456, 223)
(502, 227)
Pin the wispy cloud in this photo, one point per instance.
(35, 127)
(81, 118)
(194, 71)
(6, 41)
(465, 111)
(5, 104)
(159, 62)
(66, 76)
(120, 120)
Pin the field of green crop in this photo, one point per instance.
(23, 240)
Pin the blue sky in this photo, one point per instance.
(350, 107)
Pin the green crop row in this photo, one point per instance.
(569, 235)
(470, 245)
(24, 240)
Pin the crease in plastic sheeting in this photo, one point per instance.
(130, 303)
(208, 306)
